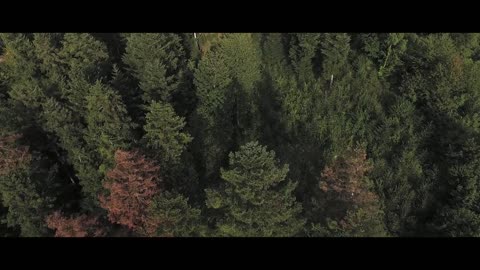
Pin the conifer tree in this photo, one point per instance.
(137, 199)
(303, 50)
(158, 62)
(83, 61)
(79, 226)
(401, 171)
(163, 132)
(255, 199)
(439, 83)
(108, 124)
(21, 188)
(61, 121)
(170, 215)
(213, 129)
(347, 205)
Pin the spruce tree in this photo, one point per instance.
(22, 188)
(108, 125)
(164, 132)
(255, 199)
(172, 216)
(158, 62)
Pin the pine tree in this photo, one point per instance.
(22, 72)
(213, 129)
(20, 188)
(303, 51)
(401, 171)
(108, 125)
(163, 132)
(158, 62)
(82, 54)
(243, 59)
(253, 200)
(275, 54)
(347, 205)
(83, 61)
(212, 80)
(385, 49)
(170, 215)
(459, 215)
(46, 46)
(62, 122)
(5, 230)
(440, 81)
(335, 48)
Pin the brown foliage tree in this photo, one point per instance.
(345, 177)
(132, 185)
(11, 155)
(80, 226)
(347, 198)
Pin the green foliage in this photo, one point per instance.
(274, 53)
(26, 206)
(302, 54)
(460, 222)
(108, 125)
(82, 54)
(175, 216)
(360, 223)
(213, 129)
(212, 79)
(385, 49)
(163, 132)
(253, 200)
(61, 122)
(21, 71)
(335, 49)
(409, 101)
(400, 171)
(242, 58)
(157, 61)
(26, 186)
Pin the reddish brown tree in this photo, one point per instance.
(346, 178)
(11, 155)
(347, 197)
(80, 226)
(132, 185)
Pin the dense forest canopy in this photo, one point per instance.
(239, 134)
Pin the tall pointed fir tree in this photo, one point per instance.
(158, 61)
(108, 125)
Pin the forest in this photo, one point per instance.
(239, 134)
